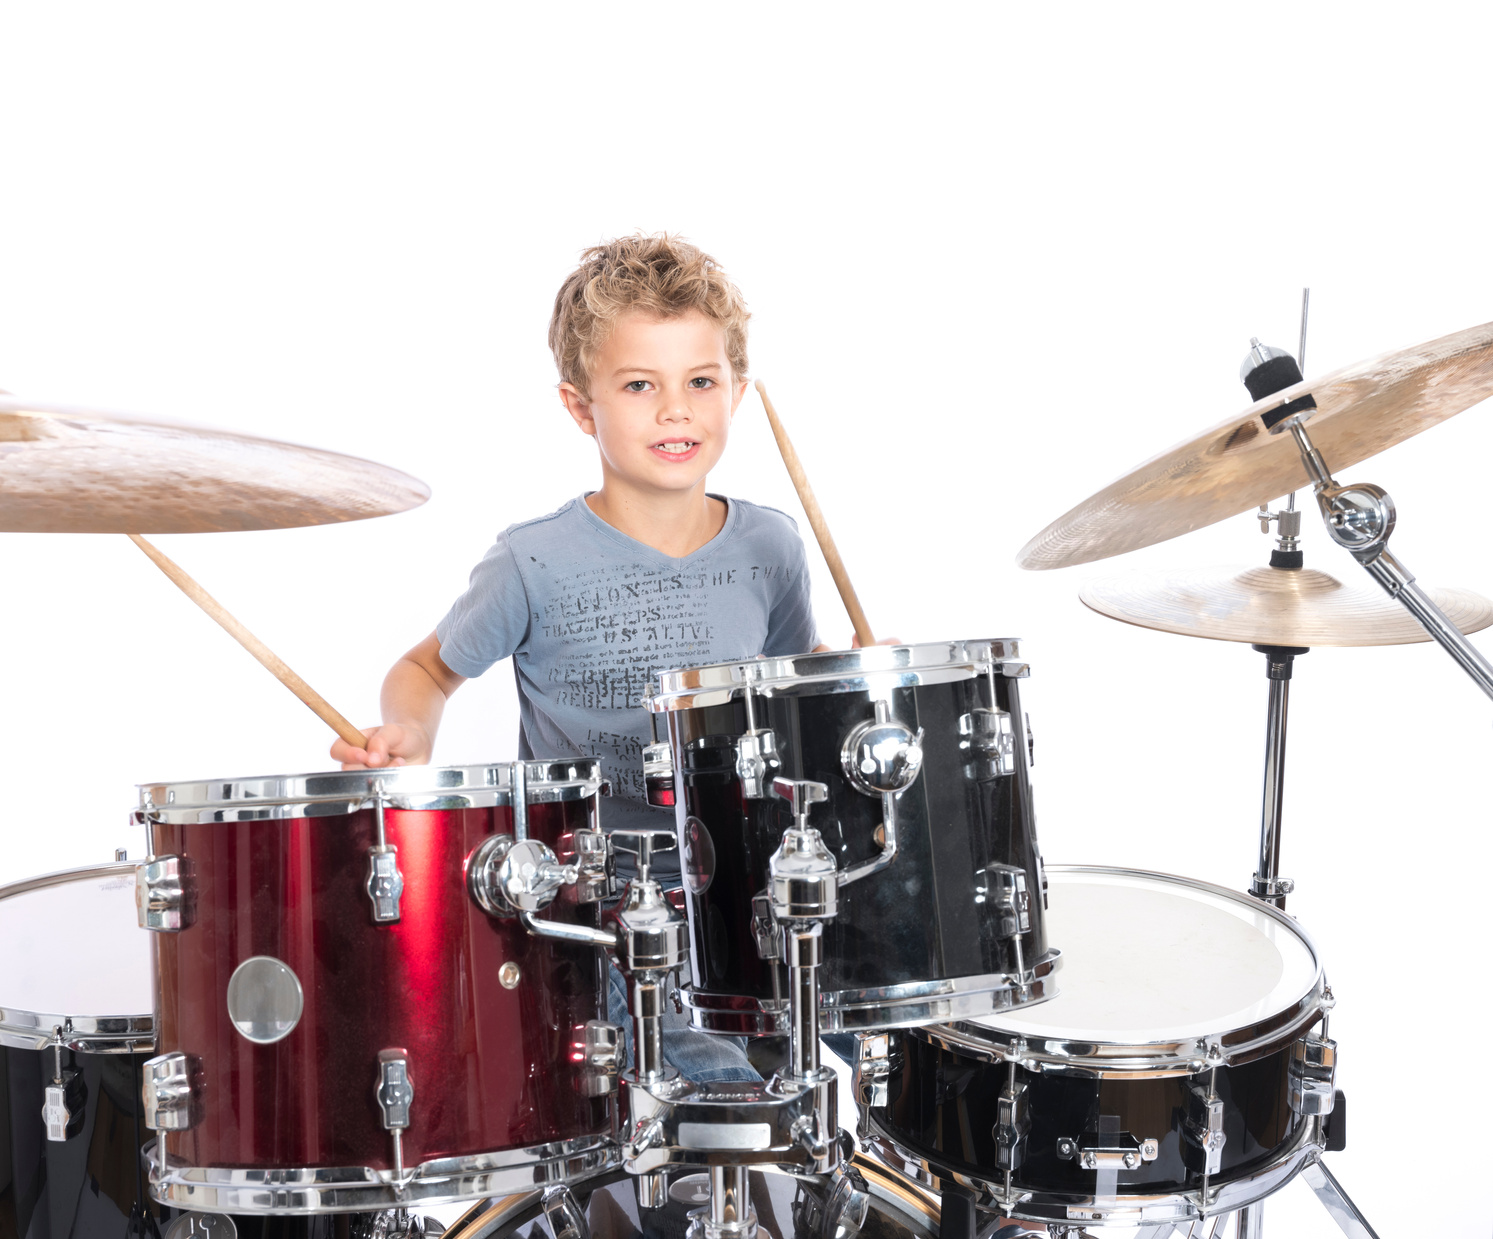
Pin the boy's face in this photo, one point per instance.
(661, 402)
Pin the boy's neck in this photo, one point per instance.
(675, 523)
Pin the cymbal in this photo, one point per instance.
(1237, 464)
(70, 470)
(1272, 606)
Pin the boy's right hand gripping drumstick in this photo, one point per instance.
(270, 660)
(816, 520)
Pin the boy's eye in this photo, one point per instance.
(701, 382)
(637, 385)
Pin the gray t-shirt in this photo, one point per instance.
(591, 616)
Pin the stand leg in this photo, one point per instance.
(1344, 1212)
(1249, 1222)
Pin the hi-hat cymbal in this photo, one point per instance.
(1272, 606)
(1238, 464)
(68, 470)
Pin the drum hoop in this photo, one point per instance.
(834, 671)
(898, 1006)
(333, 793)
(83, 1034)
(343, 1189)
(1225, 1195)
(1228, 1047)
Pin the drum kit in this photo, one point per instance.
(337, 1004)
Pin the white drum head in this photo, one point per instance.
(73, 947)
(1152, 958)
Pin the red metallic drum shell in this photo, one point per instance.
(492, 1068)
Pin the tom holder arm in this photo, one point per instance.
(1360, 518)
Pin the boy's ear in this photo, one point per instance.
(578, 407)
(740, 392)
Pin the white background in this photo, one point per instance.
(995, 258)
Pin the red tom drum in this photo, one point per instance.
(339, 1026)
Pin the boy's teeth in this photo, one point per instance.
(675, 447)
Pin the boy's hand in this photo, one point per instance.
(855, 641)
(389, 745)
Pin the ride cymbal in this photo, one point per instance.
(69, 470)
(1272, 606)
(1237, 464)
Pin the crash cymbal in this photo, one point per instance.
(1272, 606)
(1237, 464)
(68, 470)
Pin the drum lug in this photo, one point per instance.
(1313, 1073)
(1003, 888)
(756, 762)
(395, 1093)
(172, 1091)
(385, 883)
(658, 774)
(562, 1214)
(65, 1099)
(1012, 1123)
(165, 894)
(989, 740)
(598, 1045)
(874, 1064)
(1204, 1126)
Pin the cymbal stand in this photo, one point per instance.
(1267, 883)
(1360, 518)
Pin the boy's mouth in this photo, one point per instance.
(676, 449)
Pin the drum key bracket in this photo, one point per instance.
(1107, 1150)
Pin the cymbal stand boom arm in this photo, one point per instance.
(1360, 518)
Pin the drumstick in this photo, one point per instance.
(271, 661)
(816, 521)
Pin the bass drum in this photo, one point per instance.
(1177, 1075)
(867, 1203)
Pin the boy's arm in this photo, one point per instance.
(413, 700)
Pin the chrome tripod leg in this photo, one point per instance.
(1249, 1222)
(1330, 1192)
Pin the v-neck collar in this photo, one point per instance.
(643, 550)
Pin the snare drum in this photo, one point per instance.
(924, 750)
(1175, 1077)
(75, 1026)
(340, 1025)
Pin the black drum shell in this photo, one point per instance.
(919, 920)
(942, 1106)
(83, 1186)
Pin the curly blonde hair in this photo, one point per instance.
(659, 275)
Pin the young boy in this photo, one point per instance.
(646, 573)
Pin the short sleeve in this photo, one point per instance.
(790, 623)
(491, 620)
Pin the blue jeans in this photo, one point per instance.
(702, 1057)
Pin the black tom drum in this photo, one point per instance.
(1177, 1075)
(925, 752)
